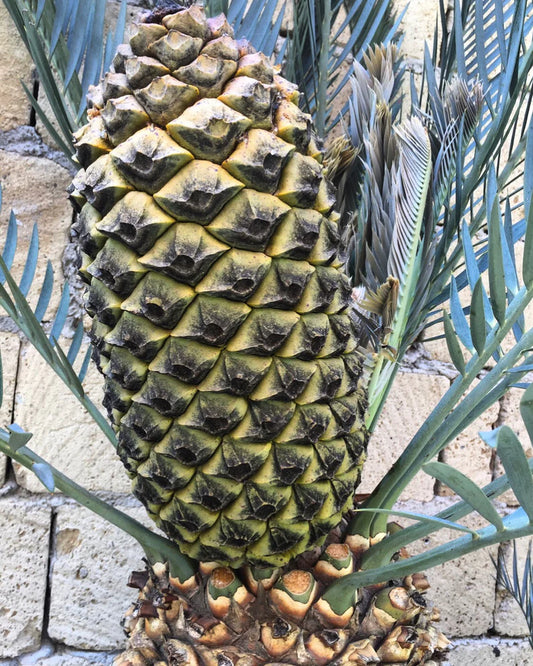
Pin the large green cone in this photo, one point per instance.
(221, 313)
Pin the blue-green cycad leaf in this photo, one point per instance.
(434, 521)
(466, 489)
(456, 117)
(44, 473)
(18, 437)
(10, 244)
(46, 293)
(478, 326)
(61, 315)
(85, 365)
(496, 260)
(458, 317)
(527, 265)
(526, 410)
(508, 255)
(452, 342)
(31, 262)
(75, 345)
(414, 172)
(515, 464)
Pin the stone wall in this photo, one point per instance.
(63, 570)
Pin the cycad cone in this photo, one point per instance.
(221, 324)
(220, 311)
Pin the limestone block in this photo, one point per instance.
(9, 347)
(508, 617)
(468, 452)
(24, 526)
(410, 401)
(70, 658)
(63, 432)
(462, 589)
(35, 188)
(490, 651)
(418, 25)
(92, 563)
(16, 65)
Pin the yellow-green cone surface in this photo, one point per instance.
(220, 311)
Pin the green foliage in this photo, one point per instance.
(478, 136)
(314, 58)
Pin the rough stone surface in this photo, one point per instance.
(35, 188)
(24, 527)
(9, 345)
(463, 589)
(71, 660)
(418, 25)
(63, 432)
(508, 617)
(410, 401)
(495, 651)
(468, 452)
(16, 66)
(47, 655)
(91, 565)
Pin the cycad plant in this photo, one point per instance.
(257, 265)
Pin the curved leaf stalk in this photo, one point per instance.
(383, 551)
(19, 310)
(445, 420)
(341, 592)
(156, 547)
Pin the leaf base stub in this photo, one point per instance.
(251, 617)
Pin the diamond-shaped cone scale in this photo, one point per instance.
(149, 158)
(209, 129)
(221, 321)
